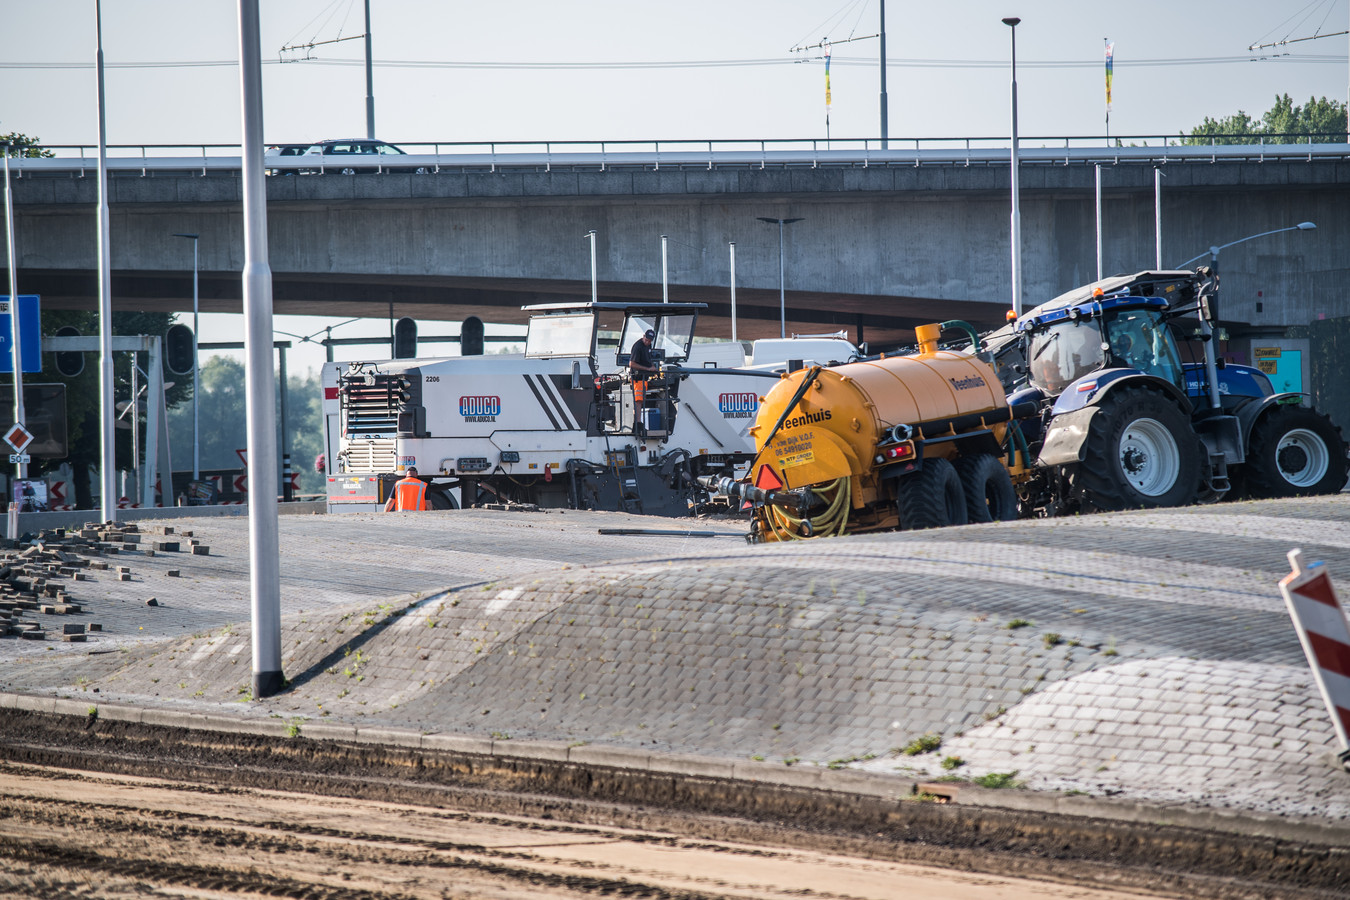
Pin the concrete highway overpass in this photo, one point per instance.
(888, 239)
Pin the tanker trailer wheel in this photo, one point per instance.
(1293, 452)
(1141, 452)
(931, 497)
(988, 488)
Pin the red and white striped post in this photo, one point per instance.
(1325, 634)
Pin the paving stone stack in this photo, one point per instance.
(34, 579)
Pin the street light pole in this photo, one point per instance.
(196, 370)
(1012, 23)
(595, 292)
(17, 356)
(370, 82)
(782, 272)
(665, 273)
(107, 440)
(1213, 252)
(885, 127)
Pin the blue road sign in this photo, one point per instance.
(30, 333)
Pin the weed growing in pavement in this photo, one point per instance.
(83, 682)
(999, 780)
(1110, 648)
(500, 736)
(1017, 623)
(1051, 639)
(246, 694)
(758, 757)
(925, 743)
(952, 762)
(92, 712)
(792, 760)
(293, 728)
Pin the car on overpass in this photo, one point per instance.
(282, 151)
(357, 156)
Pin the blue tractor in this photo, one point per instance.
(1127, 422)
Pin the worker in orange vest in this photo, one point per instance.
(640, 363)
(410, 493)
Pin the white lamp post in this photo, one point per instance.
(1213, 252)
(1012, 23)
(782, 280)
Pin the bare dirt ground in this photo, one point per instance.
(75, 834)
(109, 810)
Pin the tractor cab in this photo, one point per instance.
(626, 403)
(1117, 323)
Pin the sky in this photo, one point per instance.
(591, 70)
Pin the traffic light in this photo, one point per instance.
(405, 338)
(178, 349)
(69, 363)
(471, 337)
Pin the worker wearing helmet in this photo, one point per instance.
(410, 493)
(640, 363)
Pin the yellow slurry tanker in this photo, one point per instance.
(913, 441)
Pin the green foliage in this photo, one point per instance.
(223, 421)
(952, 762)
(999, 780)
(1284, 123)
(926, 743)
(22, 145)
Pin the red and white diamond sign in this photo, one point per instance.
(18, 437)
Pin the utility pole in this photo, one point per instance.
(370, 82)
(885, 127)
(14, 331)
(107, 439)
(260, 384)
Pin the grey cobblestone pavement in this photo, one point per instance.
(1140, 655)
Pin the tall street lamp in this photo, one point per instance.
(782, 281)
(1213, 252)
(1012, 23)
(196, 371)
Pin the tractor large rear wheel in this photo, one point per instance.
(1141, 452)
(931, 497)
(988, 488)
(1294, 452)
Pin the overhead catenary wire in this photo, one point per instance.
(896, 62)
(1297, 19)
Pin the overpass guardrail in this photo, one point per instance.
(223, 159)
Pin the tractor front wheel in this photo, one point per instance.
(1141, 452)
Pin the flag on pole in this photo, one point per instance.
(1110, 51)
(827, 80)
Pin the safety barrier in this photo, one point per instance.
(1325, 635)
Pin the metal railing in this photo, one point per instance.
(462, 156)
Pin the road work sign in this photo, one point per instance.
(1322, 628)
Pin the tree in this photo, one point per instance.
(223, 418)
(1284, 123)
(17, 144)
(83, 397)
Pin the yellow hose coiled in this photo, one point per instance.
(831, 522)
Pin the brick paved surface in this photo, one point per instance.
(1143, 655)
